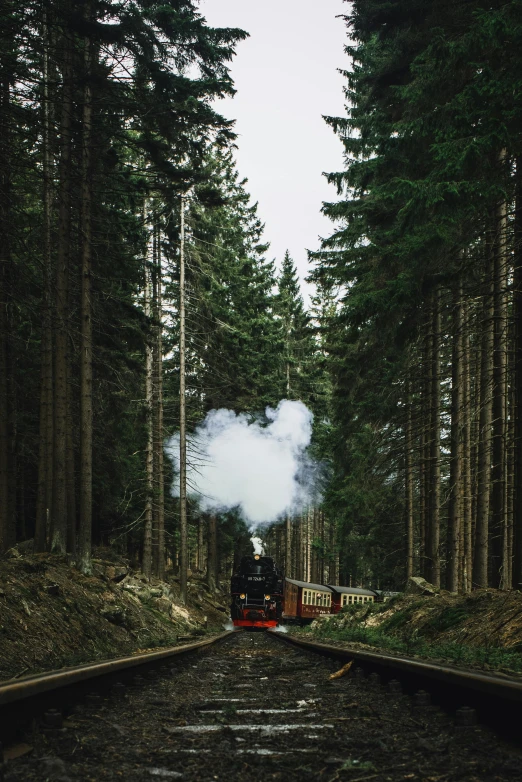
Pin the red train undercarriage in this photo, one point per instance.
(249, 617)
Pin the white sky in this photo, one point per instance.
(286, 79)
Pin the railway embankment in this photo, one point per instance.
(52, 616)
(481, 630)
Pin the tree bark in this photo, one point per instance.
(480, 564)
(86, 352)
(160, 493)
(517, 381)
(6, 523)
(147, 535)
(288, 547)
(59, 512)
(45, 442)
(433, 537)
(498, 470)
(212, 561)
(456, 468)
(467, 564)
(408, 481)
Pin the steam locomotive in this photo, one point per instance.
(257, 593)
(261, 596)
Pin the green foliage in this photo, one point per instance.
(433, 99)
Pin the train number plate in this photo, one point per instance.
(255, 578)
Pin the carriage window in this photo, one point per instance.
(305, 596)
(328, 600)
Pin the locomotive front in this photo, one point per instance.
(257, 593)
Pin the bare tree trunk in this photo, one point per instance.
(70, 477)
(45, 444)
(507, 548)
(59, 512)
(201, 558)
(288, 547)
(182, 418)
(480, 565)
(147, 537)
(333, 575)
(408, 469)
(456, 469)
(6, 523)
(517, 381)
(433, 539)
(424, 455)
(86, 353)
(498, 472)
(467, 565)
(159, 415)
(212, 561)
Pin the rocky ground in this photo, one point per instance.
(252, 708)
(52, 616)
(482, 629)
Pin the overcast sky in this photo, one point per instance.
(286, 79)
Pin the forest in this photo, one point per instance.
(133, 262)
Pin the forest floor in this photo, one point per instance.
(480, 630)
(52, 616)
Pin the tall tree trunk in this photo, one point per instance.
(59, 511)
(424, 452)
(155, 434)
(182, 417)
(160, 498)
(6, 523)
(86, 353)
(517, 381)
(212, 561)
(480, 564)
(433, 538)
(70, 476)
(147, 535)
(455, 524)
(498, 471)
(201, 544)
(288, 547)
(408, 481)
(45, 442)
(467, 565)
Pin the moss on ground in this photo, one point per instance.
(482, 630)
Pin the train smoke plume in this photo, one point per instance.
(259, 467)
(258, 546)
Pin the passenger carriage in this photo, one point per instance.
(305, 601)
(348, 596)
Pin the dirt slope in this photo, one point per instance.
(53, 616)
(483, 629)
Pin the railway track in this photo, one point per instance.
(254, 708)
(26, 699)
(493, 699)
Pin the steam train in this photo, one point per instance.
(262, 597)
(257, 593)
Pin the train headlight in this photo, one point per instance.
(267, 597)
(242, 595)
(256, 556)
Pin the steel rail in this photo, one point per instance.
(488, 684)
(39, 684)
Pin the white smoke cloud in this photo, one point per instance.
(262, 470)
(258, 546)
